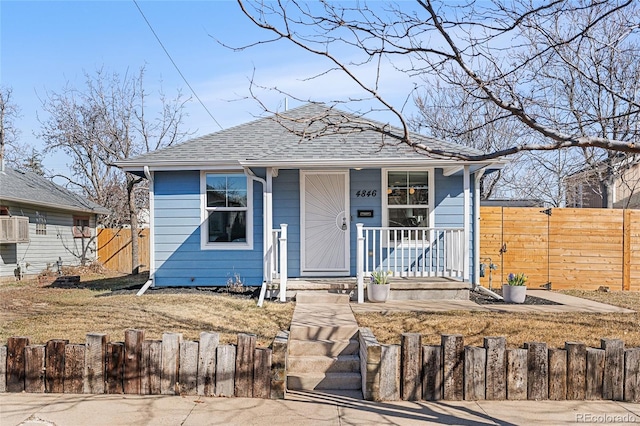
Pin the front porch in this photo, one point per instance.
(423, 264)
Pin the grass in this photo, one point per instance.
(554, 329)
(35, 309)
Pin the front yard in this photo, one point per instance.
(35, 309)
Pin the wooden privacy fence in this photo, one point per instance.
(452, 371)
(562, 248)
(169, 366)
(114, 248)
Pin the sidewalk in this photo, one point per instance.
(298, 409)
(567, 304)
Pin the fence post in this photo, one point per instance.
(283, 262)
(360, 261)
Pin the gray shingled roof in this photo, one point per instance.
(30, 188)
(266, 139)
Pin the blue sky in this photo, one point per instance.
(45, 45)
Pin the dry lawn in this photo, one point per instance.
(33, 308)
(554, 329)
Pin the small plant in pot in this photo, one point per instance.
(515, 291)
(378, 288)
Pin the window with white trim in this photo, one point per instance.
(227, 210)
(407, 202)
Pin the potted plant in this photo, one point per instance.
(515, 291)
(378, 289)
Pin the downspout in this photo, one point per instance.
(265, 231)
(152, 256)
(476, 228)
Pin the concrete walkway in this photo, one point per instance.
(568, 304)
(298, 409)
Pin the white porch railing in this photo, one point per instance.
(409, 252)
(276, 263)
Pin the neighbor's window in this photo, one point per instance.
(407, 198)
(227, 208)
(41, 223)
(81, 227)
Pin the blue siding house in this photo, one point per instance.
(264, 201)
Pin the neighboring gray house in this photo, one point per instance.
(41, 222)
(345, 206)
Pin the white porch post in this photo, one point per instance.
(360, 261)
(466, 214)
(268, 225)
(283, 262)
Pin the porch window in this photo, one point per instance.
(407, 200)
(227, 206)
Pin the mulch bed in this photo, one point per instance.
(244, 293)
(482, 299)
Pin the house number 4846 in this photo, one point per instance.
(366, 193)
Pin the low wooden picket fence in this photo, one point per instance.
(452, 371)
(169, 366)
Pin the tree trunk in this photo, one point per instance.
(133, 218)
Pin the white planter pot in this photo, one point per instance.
(514, 293)
(378, 293)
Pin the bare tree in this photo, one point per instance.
(104, 122)
(10, 148)
(493, 52)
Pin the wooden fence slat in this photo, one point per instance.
(94, 363)
(516, 374)
(188, 374)
(389, 373)
(155, 367)
(34, 369)
(631, 375)
(145, 388)
(244, 365)
(453, 367)
(262, 373)
(538, 371)
(557, 374)
(3, 369)
(225, 370)
(576, 370)
(595, 373)
(15, 363)
(411, 366)
(170, 360)
(432, 372)
(475, 367)
(74, 358)
(114, 367)
(209, 342)
(613, 386)
(496, 372)
(54, 365)
(133, 360)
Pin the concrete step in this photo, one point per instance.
(311, 332)
(334, 381)
(313, 297)
(429, 294)
(323, 364)
(323, 347)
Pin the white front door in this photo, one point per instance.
(324, 200)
